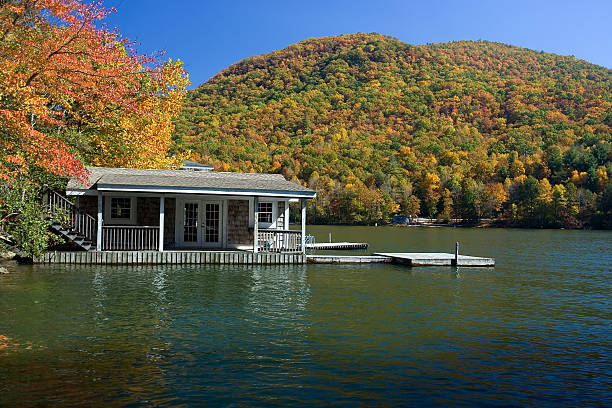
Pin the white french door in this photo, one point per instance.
(211, 234)
(201, 223)
(190, 234)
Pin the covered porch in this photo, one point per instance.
(161, 214)
(131, 223)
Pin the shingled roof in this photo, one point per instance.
(182, 181)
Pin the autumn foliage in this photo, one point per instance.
(62, 71)
(72, 93)
(463, 130)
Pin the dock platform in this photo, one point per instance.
(342, 259)
(176, 257)
(248, 258)
(435, 259)
(337, 245)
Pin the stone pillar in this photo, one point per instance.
(162, 202)
(99, 232)
(255, 224)
(303, 225)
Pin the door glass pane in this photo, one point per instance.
(190, 233)
(280, 221)
(212, 223)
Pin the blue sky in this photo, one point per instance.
(211, 35)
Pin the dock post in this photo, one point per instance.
(330, 237)
(303, 226)
(255, 224)
(162, 202)
(100, 222)
(457, 253)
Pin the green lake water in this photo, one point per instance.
(536, 330)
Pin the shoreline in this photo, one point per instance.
(483, 225)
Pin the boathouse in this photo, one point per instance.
(190, 209)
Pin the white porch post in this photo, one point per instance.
(99, 232)
(255, 224)
(303, 225)
(162, 203)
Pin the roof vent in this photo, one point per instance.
(194, 166)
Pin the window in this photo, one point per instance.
(121, 208)
(265, 213)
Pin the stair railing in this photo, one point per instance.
(78, 220)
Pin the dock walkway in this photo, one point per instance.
(337, 245)
(400, 258)
(171, 258)
(343, 259)
(248, 258)
(435, 259)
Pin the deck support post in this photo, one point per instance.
(303, 226)
(162, 203)
(255, 224)
(99, 231)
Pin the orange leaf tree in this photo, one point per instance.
(73, 91)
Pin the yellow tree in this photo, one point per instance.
(143, 140)
(497, 195)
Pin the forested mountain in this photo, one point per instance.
(380, 127)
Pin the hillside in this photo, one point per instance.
(377, 126)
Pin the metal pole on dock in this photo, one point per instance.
(457, 253)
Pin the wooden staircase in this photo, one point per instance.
(68, 220)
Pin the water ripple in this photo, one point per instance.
(535, 330)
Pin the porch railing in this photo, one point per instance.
(279, 240)
(129, 238)
(77, 220)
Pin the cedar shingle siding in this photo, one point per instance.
(238, 223)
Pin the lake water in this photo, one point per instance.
(535, 330)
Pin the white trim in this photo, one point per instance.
(267, 225)
(303, 226)
(162, 216)
(223, 225)
(255, 224)
(100, 223)
(190, 190)
(287, 214)
(82, 192)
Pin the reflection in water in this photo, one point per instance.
(534, 329)
(99, 296)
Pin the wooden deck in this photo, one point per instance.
(187, 257)
(170, 258)
(408, 259)
(343, 259)
(435, 259)
(337, 245)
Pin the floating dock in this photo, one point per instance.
(404, 258)
(248, 258)
(435, 259)
(342, 259)
(337, 245)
